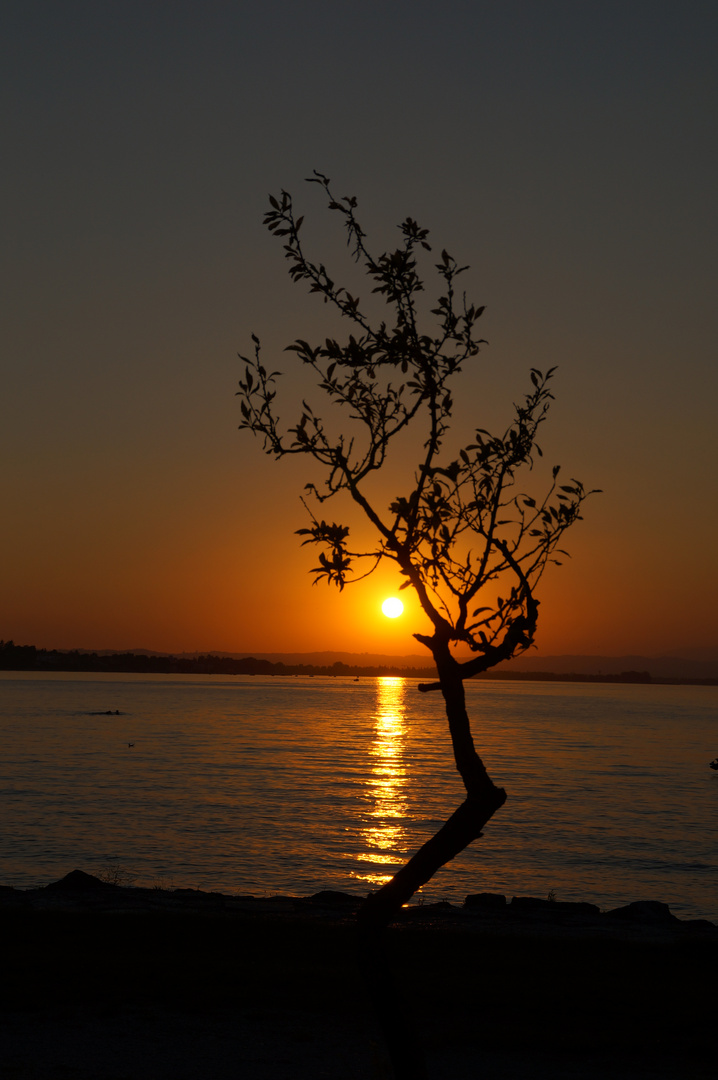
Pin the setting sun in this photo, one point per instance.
(392, 607)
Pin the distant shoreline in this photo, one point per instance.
(29, 658)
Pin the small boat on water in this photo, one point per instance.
(714, 764)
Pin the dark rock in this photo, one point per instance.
(485, 900)
(644, 911)
(532, 903)
(79, 881)
(576, 907)
(584, 908)
(555, 910)
(335, 898)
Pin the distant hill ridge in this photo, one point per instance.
(666, 667)
(658, 667)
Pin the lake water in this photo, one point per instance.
(291, 785)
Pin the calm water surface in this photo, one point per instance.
(289, 785)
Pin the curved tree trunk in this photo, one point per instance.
(464, 826)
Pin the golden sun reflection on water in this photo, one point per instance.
(384, 831)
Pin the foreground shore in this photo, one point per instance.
(108, 983)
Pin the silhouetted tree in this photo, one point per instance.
(464, 534)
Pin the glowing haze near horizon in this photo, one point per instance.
(565, 151)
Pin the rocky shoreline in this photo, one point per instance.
(109, 982)
(483, 913)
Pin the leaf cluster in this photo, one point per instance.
(465, 536)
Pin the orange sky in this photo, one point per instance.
(571, 167)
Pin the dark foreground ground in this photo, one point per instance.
(107, 983)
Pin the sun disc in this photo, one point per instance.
(392, 607)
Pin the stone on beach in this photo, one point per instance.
(79, 881)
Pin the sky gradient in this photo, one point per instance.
(566, 151)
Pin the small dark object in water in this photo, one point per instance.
(714, 764)
(130, 744)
